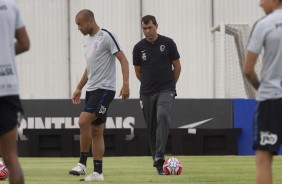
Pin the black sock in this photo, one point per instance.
(98, 165)
(83, 158)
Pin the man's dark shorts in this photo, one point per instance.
(98, 102)
(10, 113)
(268, 125)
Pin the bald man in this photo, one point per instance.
(101, 50)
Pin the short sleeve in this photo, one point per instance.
(112, 43)
(136, 58)
(19, 20)
(173, 52)
(256, 39)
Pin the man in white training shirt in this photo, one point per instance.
(267, 35)
(13, 40)
(101, 49)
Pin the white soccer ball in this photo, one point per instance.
(172, 166)
(3, 171)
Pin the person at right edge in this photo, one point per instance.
(266, 35)
(157, 67)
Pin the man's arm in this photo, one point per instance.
(83, 80)
(77, 93)
(176, 69)
(124, 92)
(249, 69)
(138, 72)
(22, 43)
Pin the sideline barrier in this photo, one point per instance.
(60, 142)
(52, 120)
(212, 141)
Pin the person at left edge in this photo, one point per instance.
(13, 40)
(101, 50)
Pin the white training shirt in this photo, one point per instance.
(267, 35)
(10, 21)
(99, 53)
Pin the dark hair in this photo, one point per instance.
(148, 18)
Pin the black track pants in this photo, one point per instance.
(157, 110)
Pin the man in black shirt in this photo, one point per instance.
(157, 67)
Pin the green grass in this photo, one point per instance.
(136, 170)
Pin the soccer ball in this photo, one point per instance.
(172, 166)
(3, 171)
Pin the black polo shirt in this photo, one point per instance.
(155, 59)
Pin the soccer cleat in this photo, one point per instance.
(158, 162)
(78, 170)
(94, 177)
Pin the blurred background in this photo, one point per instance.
(55, 63)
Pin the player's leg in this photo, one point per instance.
(8, 147)
(164, 108)
(148, 106)
(85, 120)
(263, 164)
(98, 147)
(85, 134)
(98, 150)
(10, 116)
(267, 137)
(87, 116)
(103, 100)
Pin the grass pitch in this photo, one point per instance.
(137, 170)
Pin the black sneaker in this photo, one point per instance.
(159, 162)
(160, 171)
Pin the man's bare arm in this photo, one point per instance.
(22, 43)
